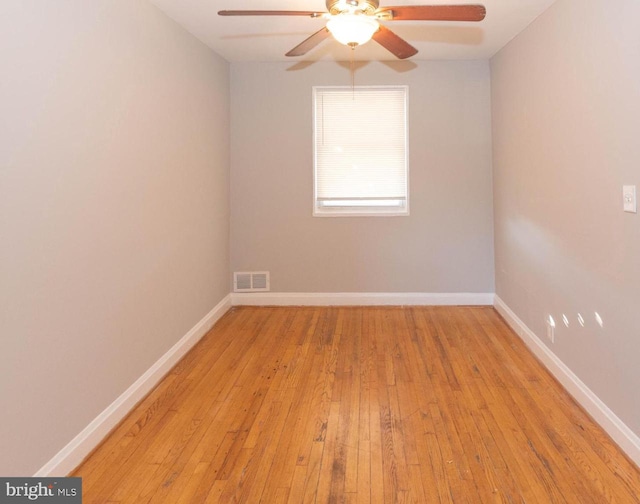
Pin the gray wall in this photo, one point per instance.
(445, 245)
(114, 210)
(566, 118)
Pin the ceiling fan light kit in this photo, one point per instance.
(352, 29)
(355, 22)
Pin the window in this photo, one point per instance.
(360, 151)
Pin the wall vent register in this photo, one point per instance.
(251, 281)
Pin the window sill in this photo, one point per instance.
(343, 212)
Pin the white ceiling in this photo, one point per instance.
(269, 38)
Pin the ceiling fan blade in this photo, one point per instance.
(306, 45)
(469, 12)
(269, 13)
(393, 43)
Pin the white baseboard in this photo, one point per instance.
(628, 441)
(79, 447)
(360, 299)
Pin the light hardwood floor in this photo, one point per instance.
(374, 405)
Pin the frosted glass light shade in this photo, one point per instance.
(352, 29)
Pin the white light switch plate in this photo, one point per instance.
(629, 198)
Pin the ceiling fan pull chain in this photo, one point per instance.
(353, 73)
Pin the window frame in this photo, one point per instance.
(351, 210)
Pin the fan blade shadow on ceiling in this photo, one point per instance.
(241, 36)
(398, 66)
(347, 65)
(457, 35)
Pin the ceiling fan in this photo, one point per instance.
(355, 22)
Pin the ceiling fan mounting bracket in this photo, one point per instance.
(386, 15)
(364, 6)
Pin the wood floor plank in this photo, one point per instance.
(313, 474)
(428, 405)
(326, 482)
(375, 427)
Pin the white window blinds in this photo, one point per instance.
(360, 150)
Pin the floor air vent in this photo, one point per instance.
(250, 281)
